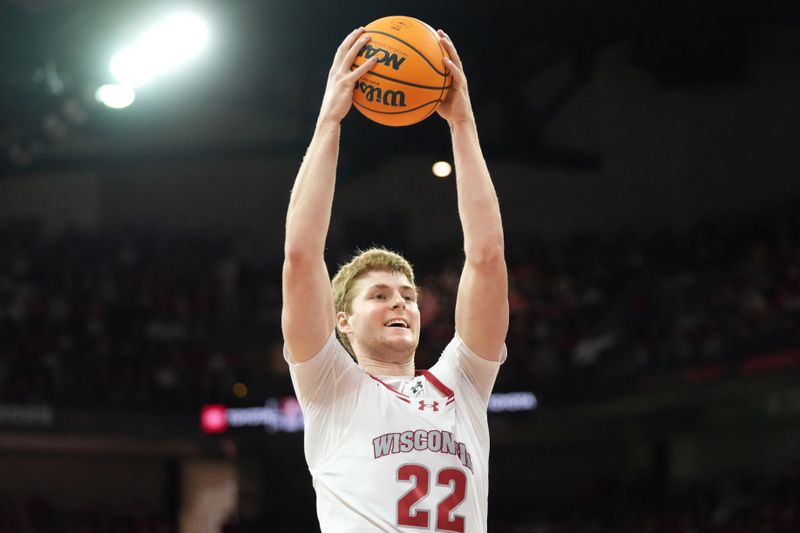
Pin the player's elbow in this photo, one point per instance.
(298, 252)
(488, 254)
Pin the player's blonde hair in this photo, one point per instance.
(343, 284)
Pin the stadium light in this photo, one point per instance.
(115, 96)
(442, 169)
(165, 46)
(131, 67)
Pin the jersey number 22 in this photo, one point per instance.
(420, 477)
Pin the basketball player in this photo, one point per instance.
(390, 448)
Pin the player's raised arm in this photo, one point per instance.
(308, 314)
(482, 302)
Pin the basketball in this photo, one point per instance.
(409, 81)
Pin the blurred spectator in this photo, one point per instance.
(145, 318)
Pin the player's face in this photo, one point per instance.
(385, 317)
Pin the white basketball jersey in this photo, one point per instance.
(397, 454)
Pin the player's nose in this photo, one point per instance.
(398, 300)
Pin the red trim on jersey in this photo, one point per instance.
(433, 380)
(398, 395)
(444, 389)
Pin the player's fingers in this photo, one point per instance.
(347, 44)
(355, 48)
(362, 69)
(459, 80)
(450, 48)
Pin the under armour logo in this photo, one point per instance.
(423, 405)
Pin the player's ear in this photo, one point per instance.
(343, 322)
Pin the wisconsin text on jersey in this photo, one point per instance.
(433, 440)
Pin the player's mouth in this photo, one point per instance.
(397, 323)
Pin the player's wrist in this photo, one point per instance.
(327, 122)
(463, 122)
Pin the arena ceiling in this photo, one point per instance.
(260, 86)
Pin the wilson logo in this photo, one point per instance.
(385, 57)
(376, 94)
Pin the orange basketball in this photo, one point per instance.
(409, 81)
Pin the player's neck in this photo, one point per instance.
(378, 367)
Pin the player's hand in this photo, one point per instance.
(456, 107)
(341, 80)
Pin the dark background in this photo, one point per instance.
(645, 156)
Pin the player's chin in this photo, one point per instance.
(404, 338)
